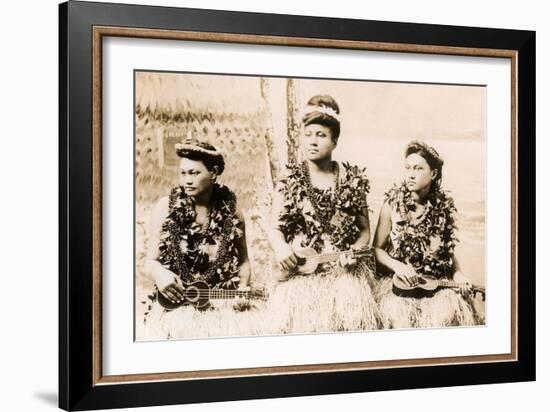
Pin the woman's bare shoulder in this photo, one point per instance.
(386, 209)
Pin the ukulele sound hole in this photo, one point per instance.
(192, 294)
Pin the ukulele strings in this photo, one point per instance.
(209, 293)
(452, 284)
(448, 283)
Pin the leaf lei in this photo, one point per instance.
(429, 244)
(184, 246)
(332, 213)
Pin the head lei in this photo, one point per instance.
(435, 159)
(329, 111)
(197, 149)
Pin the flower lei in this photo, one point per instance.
(331, 213)
(429, 244)
(184, 246)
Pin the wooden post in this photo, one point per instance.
(274, 97)
(293, 122)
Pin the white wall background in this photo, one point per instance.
(28, 178)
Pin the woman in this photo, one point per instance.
(195, 234)
(321, 205)
(415, 236)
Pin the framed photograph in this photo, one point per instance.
(256, 205)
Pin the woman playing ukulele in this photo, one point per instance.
(321, 205)
(196, 234)
(415, 236)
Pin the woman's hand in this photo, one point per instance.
(407, 274)
(347, 260)
(286, 258)
(242, 301)
(243, 297)
(464, 282)
(170, 286)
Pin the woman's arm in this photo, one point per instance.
(460, 278)
(363, 239)
(166, 281)
(364, 229)
(381, 236)
(284, 254)
(244, 270)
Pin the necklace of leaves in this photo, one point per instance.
(182, 267)
(408, 205)
(435, 219)
(317, 196)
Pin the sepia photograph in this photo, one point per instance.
(277, 205)
(257, 205)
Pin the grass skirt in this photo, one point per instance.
(336, 300)
(445, 308)
(222, 319)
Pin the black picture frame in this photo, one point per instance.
(78, 388)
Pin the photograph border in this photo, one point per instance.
(82, 28)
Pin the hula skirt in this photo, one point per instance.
(331, 301)
(446, 308)
(222, 319)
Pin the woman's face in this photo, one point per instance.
(195, 178)
(317, 142)
(418, 174)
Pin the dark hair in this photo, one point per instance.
(203, 152)
(323, 119)
(431, 156)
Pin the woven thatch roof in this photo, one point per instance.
(176, 94)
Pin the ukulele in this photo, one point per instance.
(309, 260)
(427, 286)
(199, 294)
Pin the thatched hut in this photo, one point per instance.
(223, 110)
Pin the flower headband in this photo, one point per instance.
(329, 111)
(428, 149)
(192, 145)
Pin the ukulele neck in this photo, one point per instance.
(445, 283)
(333, 256)
(228, 294)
